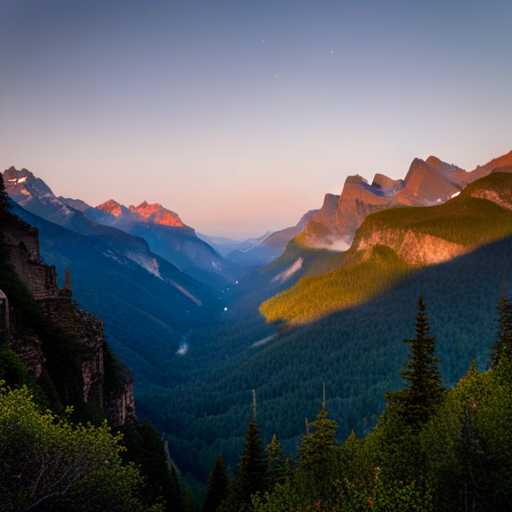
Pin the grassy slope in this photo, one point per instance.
(464, 220)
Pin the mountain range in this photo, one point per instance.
(427, 183)
(132, 231)
(333, 305)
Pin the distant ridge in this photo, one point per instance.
(394, 243)
(427, 183)
(135, 232)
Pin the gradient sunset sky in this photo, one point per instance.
(241, 115)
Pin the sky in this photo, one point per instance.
(240, 116)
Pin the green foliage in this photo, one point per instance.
(146, 449)
(14, 373)
(352, 284)
(63, 353)
(466, 220)
(217, 488)
(503, 344)
(250, 477)
(319, 458)
(48, 464)
(277, 465)
(423, 380)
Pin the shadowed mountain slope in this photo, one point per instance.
(170, 238)
(392, 243)
(357, 352)
(143, 314)
(131, 231)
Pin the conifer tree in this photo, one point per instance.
(423, 386)
(319, 457)
(251, 475)
(276, 463)
(217, 488)
(503, 343)
(162, 484)
(318, 446)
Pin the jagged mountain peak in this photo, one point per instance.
(113, 207)
(425, 185)
(382, 181)
(441, 166)
(356, 180)
(23, 185)
(157, 214)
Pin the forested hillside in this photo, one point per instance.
(393, 243)
(356, 352)
(62, 390)
(143, 314)
(434, 448)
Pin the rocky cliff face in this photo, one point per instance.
(157, 214)
(41, 280)
(427, 183)
(413, 248)
(417, 248)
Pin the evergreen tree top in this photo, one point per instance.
(503, 343)
(423, 382)
(316, 445)
(217, 488)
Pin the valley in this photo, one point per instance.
(313, 315)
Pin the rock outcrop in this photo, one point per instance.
(157, 214)
(427, 183)
(22, 242)
(413, 248)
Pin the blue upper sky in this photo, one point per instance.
(241, 115)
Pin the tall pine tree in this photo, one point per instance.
(217, 488)
(276, 463)
(251, 476)
(319, 458)
(423, 386)
(503, 343)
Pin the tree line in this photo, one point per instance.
(433, 448)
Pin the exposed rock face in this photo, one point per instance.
(384, 182)
(28, 346)
(327, 214)
(145, 212)
(157, 214)
(500, 197)
(41, 280)
(120, 407)
(357, 201)
(114, 208)
(415, 249)
(425, 185)
(463, 178)
(23, 186)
